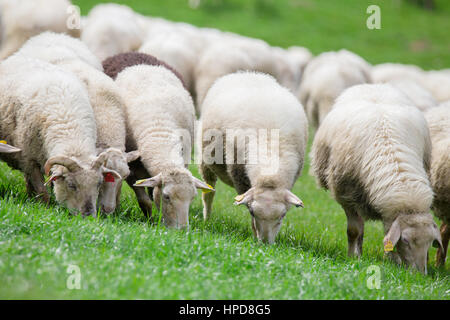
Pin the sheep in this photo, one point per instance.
(175, 49)
(253, 101)
(325, 77)
(160, 123)
(116, 64)
(299, 58)
(422, 98)
(111, 29)
(438, 119)
(372, 152)
(58, 48)
(386, 72)
(217, 61)
(230, 53)
(49, 118)
(106, 101)
(437, 82)
(22, 19)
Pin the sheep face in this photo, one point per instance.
(76, 186)
(412, 236)
(268, 207)
(115, 170)
(173, 192)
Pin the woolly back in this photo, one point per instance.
(116, 64)
(382, 142)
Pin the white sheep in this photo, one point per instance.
(175, 49)
(386, 72)
(439, 123)
(437, 82)
(253, 105)
(111, 29)
(217, 61)
(105, 99)
(58, 48)
(22, 19)
(160, 123)
(372, 152)
(48, 116)
(421, 97)
(325, 77)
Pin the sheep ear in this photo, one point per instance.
(133, 155)
(6, 148)
(110, 175)
(392, 237)
(244, 198)
(56, 174)
(199, 184)
(293, 199)
(151, 182)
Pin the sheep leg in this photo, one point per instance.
(445, 235)
(355, 233)
(137, 171)
(207, 197)
(35, 185)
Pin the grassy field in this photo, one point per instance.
(125, 256)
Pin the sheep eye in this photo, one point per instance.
(405, 241)
(166, 196)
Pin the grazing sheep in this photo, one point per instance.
(160, 121)
(22, 19)
(439, 123)
(175, 49)
(57, 48)
(111, 29)
(325, 77)
(253, 101)
(386, 72)
(421, 97)
(49, 118)
(106, 101)
(116, 64)
(299, 58)
(287, 72)
(437, 82)
(373, 153)
(217, 61)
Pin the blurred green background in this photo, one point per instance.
(409, 33)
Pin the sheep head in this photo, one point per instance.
(114, 167)
(174, 191)
(268, 206)
(76, 184)
(412, 235)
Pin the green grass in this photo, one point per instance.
(125, 256)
